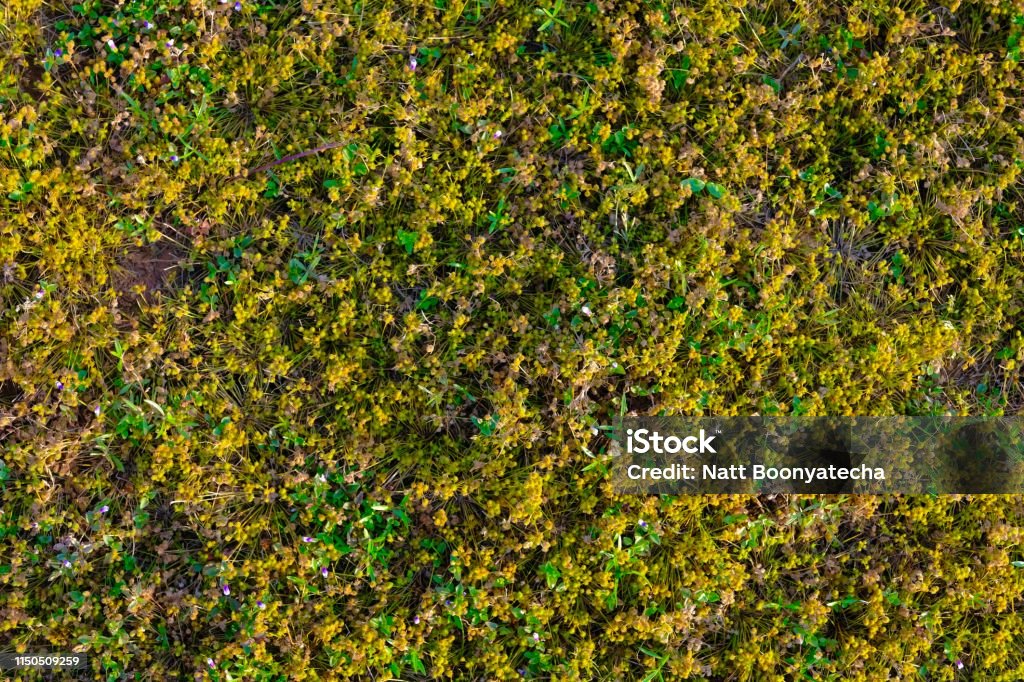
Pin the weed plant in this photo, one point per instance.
(315, 317)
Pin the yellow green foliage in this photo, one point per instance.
(315, 315)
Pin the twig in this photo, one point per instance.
(799, 60)
(291, 157)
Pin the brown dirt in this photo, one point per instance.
(152, 266)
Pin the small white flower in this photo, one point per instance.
(112, 45)
(586, 311)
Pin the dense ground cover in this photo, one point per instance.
(314, 318)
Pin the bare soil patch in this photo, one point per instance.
(146, 271)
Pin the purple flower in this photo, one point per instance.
(412, 63)
(104, 509)
(40, 294)
(959, 664)
(536, 637)
(67, 564)
(238, 7)
(260, 604)
(497, 134)
(174, 158)
(147, 25)
(416, 620)
(210, 663)
(226, 589)
(323, 571)
(170, 43)
(308, 539)
(58, 52)
(97, 411)
(642, 523)
(59, 385)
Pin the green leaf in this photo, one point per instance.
(708, 597)
(426, 302)
(416, 663)
(408, 240)
(696, 185)
(297, 271)
(487, 428)
(118, 464)
(716, 191)
(676, 303)
(273, 188)
(551, 574)
(553, 316)
(844, 603)
(557, 132)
